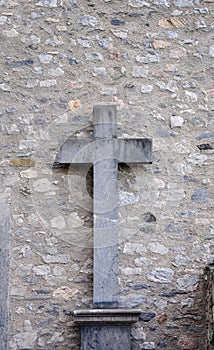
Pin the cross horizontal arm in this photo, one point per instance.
(137, 150)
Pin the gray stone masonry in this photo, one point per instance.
(4, 268)
(153, 59)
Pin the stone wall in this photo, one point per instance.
(210, 298)
(153, 59)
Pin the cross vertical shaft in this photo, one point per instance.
(105, 291)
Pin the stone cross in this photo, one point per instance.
(105, 151)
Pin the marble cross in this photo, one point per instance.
(105, 151)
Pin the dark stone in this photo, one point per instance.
(45, 322)
(152, 329)
(165, 133)
(117, 22)
(162, 344)
(73, 60)
(35, 108)
(204, 146)
(139, 286)
(11, 109)
(149, 217)
(67, 312)
(105, 338)
(147, 316)
(42, 291)
(172, 294)
(40, 121)
(53, 311)
(200, 195)
(136, 14)
(189, 179)
(15, 64)
(32, 47)
(206, 135)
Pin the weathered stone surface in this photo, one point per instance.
(200, 195)
(4, 267)
(140, 71)
(46, 41)
(160, 275)
(188, 282)
(117, 338)
(42, 185)
(146, 89)
(176, 122)
(158, 248)
(148, 345)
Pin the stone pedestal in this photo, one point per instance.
(106, 329)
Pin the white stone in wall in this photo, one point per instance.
(183, 3)
(140, 71)
(211, 51)
(149, 58)
(19, 291)
(108, 90)
(99, 71)
(188, 282)
(59, 258)
(41, 270)
(24, 340)
(175, 195)
(182, 147)
(56, 72)
(87, 20)
(122, 34)
(56, 337)
(5, 87)
(12, 33)
(146, 89)
(42, 185)
(131, 271)
(138, 333)
(45, 58)
(132, 248)
(48, 83)
(160, 275)
(58, 222)
(158, 248)
(140, 262)
(181, 260)
(74, 220)
(50, 3)
(191, 96)
(61, 119)
(138, 3)
(3, 20)
(187, 302)
(32, 83)
(176, 121)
